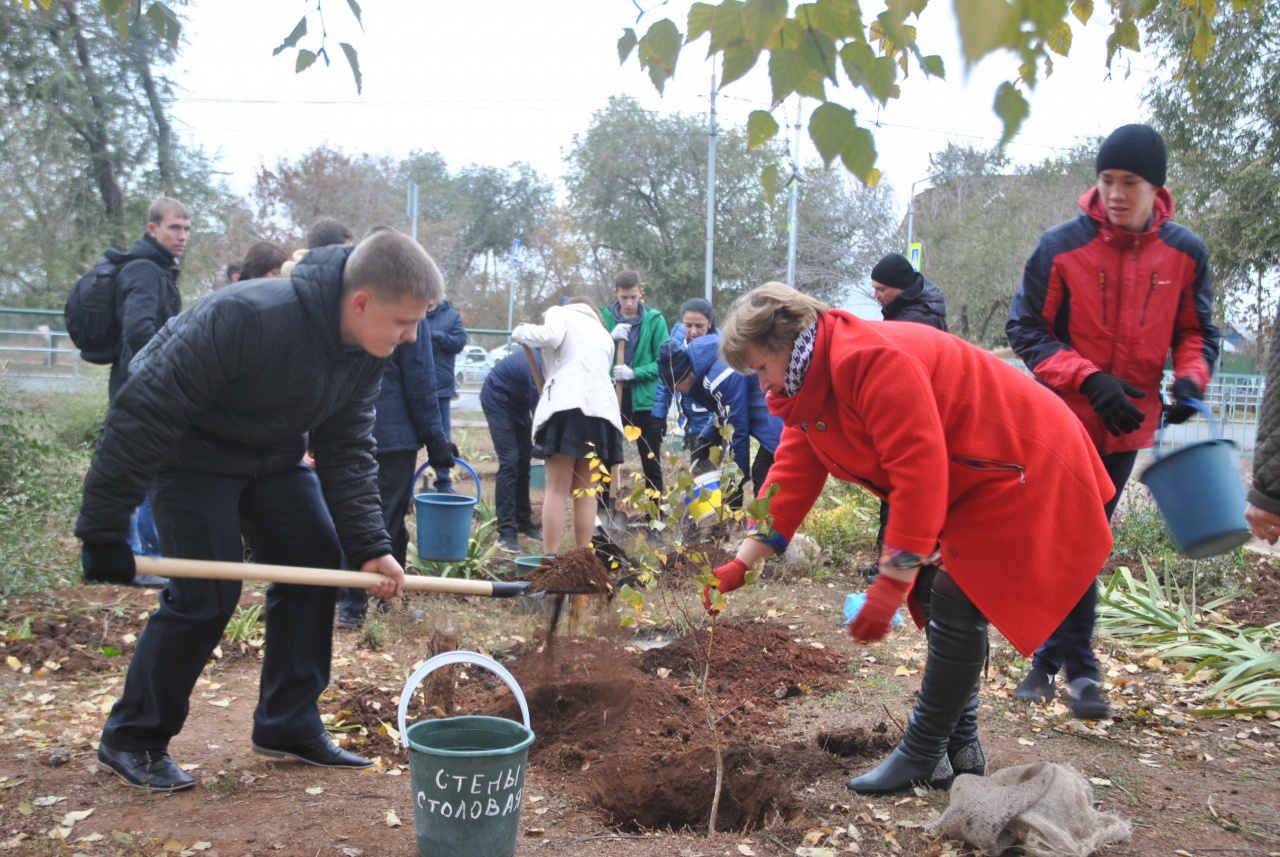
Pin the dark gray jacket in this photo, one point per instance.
(232, 387)
(448, 338)
(921, 302)
(148, 298)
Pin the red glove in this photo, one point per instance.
(730, 576)
(883, 600)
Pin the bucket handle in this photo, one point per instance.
(458, 657)
(460, 463)
(1204, 411)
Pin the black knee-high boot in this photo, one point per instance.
(963, 749)
(957, 650)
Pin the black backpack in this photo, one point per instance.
(92, 313)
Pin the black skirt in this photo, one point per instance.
(574, 433)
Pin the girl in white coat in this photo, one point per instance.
(577, 417)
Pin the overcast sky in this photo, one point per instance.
(498, 81)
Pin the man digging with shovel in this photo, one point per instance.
(217, 411)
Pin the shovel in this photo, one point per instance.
(207, 569)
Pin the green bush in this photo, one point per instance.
(844, 521)
(43, 452)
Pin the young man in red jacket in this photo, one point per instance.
(1103, 301)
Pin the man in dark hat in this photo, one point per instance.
(1103, 301)
(904, 294)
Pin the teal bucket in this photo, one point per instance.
(538, 475)
(1200, 493)
(467, 773)
(444, 526)
(527, 564)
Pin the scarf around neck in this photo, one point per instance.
(801, 357)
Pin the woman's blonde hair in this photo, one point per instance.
(769, 318)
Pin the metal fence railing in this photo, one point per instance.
(1235, 401)
(34, 344)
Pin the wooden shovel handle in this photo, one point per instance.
(533, 366)
(207, 569)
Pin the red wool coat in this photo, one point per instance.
(969, 452)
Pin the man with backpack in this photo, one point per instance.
(116, 308)
(147, 283)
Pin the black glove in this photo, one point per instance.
(440, 456)
(107, 563)
(1110, 398)
(1179, 412)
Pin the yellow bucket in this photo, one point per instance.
(706, 498)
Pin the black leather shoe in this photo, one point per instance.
(144, 769)
(315, 751)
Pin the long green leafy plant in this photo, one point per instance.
(1168, 618)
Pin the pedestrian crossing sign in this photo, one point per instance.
(914, 254)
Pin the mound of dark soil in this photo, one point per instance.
(578, 571)
(628, 732)
(756, 662)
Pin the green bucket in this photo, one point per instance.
(467, 773)
(538, 475)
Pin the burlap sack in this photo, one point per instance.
(1042, 808)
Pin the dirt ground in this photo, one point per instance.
(622, 763)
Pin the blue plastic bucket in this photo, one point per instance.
(444, 526)
(467, 773)
(1200, 493)
(444, 520)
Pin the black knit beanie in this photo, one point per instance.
(894, 271)
(1138, 149)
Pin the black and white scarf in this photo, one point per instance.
(801, 356)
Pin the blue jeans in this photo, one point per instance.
(1070, 646)
(284, 518)
(143, 538)
(446, 422)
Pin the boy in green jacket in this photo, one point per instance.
(643, 329)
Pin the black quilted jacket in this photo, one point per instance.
(232, 387)
(1265, 492)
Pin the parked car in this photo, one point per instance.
(503, 350)
(472, 366)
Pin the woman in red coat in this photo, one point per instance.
(993, 485)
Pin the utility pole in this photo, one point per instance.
(911, 205)
(511, 288)
(791, 214)
(711, 186)
(413, 208)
